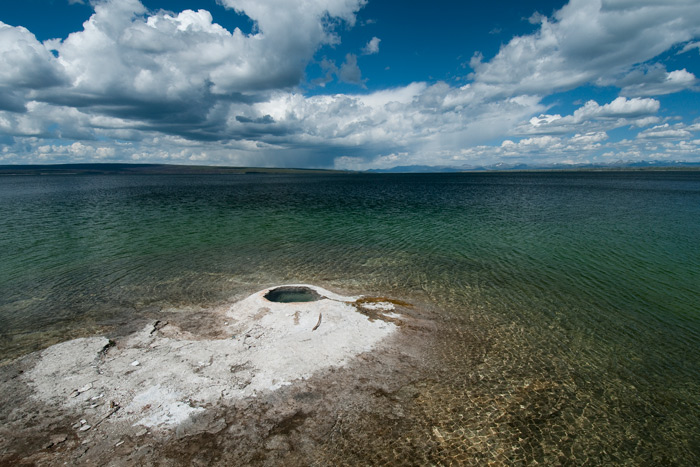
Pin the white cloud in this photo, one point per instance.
(125, 52)
(656, 81)
(173, 73)
(349, 71)
(26, 63)
(372, 46)
(665, 131)
(139, 85)
(578, 149)
(690, 46)
(593, 117)
(590, 138)
(173, 55)
(545, 149)
(536, 18)
(423, 120)
(544, 120)
(619, 108)
(586, 41)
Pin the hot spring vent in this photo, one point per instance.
(292, 295)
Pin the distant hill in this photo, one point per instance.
(153, 169)
(501, 166)
(417, 169)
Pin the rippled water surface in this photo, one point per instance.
(567, 304)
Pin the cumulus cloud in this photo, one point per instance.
(163, 86)
(690, 46)
(595, 117)
(172, 73)
(619, 108)
(546, 149)
(665, 131)
(372, 46)
(587, 41)
(590, 139)
(26, 63)
(578, 149)
(349, 71)
(536, 18)
(123, 50)
(656, 81)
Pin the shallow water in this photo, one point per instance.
(567, 304)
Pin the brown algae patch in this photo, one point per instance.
(381, 308)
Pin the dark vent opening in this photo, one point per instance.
(292, 295)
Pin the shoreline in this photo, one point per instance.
(174, 169)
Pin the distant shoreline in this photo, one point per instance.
(172, 169)
(148, 169)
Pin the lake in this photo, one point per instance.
(567, 304)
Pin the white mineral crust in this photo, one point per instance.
(268, 345)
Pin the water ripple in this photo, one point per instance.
(576, 288)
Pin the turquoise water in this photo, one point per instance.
(568, 303)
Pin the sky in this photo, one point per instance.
(349, 84)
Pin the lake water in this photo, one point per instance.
(567, 304)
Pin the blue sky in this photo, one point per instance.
(349, 84)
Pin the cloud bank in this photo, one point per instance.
(139, 85)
